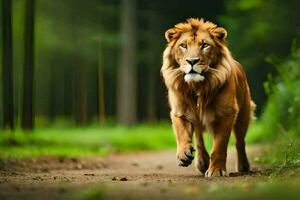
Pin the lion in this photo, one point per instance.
(207, 91)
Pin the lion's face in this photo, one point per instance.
(195, 49)
(194, 54)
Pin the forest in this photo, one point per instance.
(82, 79)
(80, 63)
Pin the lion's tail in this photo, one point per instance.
(252, 110)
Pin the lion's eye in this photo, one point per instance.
(183, 45)
(204, 45)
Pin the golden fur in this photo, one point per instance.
(207, 90)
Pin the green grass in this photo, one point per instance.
(61, 141)
(89, 141)
(85, 141)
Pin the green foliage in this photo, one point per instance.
(252, 24)
(258, 29)
(280, 122)
(282, 112)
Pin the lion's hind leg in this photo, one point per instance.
(240, 130)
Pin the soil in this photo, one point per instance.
(142, 175)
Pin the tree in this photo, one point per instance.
(101, 86)
(7, 79)
(79, 71)
(153, 64)
(28, 74)
(126, 102)
(79, 92)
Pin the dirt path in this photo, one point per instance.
(145, 175)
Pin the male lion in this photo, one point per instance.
(207, 90)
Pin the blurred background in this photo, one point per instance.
(73, 63)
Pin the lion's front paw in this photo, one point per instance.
(185, 156)
(215, 172)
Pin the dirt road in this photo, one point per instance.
(144, 175)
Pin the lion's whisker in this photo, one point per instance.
(213, 69)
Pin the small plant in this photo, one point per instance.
(287, 160)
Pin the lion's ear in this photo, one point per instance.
(220, 33)
(170, 34)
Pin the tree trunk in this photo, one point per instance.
(28, 73)
(52, 85)
(126, 96)
(79, 91)
(7, 81)
(154, 65)
(101, 97)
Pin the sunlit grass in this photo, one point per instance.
(85, 141)
(94, 140)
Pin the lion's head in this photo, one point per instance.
(196, 51)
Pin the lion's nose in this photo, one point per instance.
(192, 61)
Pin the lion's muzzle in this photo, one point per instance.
(194, 71)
